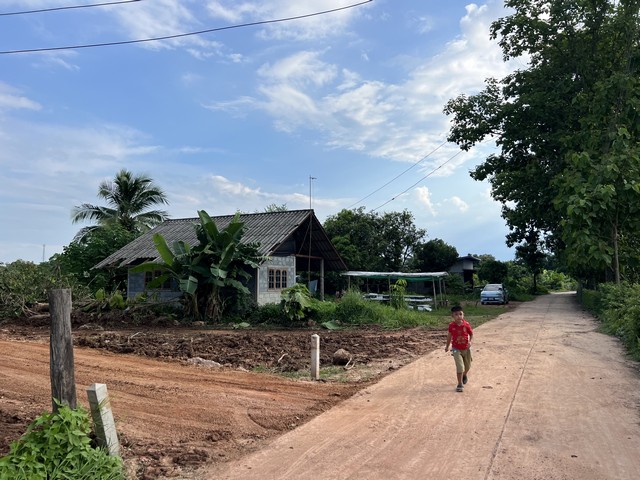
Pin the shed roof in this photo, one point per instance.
(269, 229)
(409, 277)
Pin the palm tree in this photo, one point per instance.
(128, 197)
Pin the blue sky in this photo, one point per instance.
(240, 119)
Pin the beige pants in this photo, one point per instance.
(462, 359)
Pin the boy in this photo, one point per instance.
(459, 337)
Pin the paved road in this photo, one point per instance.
(548, 398)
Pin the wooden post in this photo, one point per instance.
(103, 423)
(63, 384)
(315, 357)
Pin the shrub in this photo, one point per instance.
(296, 301)
(57, 447)
(619, 310)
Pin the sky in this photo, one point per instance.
(329, 111)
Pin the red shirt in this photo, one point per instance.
(460, 335)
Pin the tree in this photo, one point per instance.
(369, 241)
(567, 128)
(493, 271)
(434, 256)
(129, 198)
(210, 274)
(78, 258)
(273, 207)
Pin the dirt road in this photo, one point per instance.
(548, 398)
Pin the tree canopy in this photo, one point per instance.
(434, 256)
(129, 198)
(567, 172)
(370, 241)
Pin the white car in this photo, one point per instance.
(494, 293)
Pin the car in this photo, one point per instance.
(494, 293)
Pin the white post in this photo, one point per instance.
(105, 427)
(315, 357)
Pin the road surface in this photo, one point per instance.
(548, 398)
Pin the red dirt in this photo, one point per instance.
(174, 416)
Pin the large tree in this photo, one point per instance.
(374, 242)
(434, 256)
(130, 199)
(567, 128)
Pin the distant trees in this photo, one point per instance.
(130, 199)
(370, 241)
(434, 256)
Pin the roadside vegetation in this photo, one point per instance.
(58, 446)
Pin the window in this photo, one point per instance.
(277, 279)
(151, 276)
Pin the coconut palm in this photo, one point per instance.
(128, 197)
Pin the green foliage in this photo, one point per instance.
(296, 300)
(211, 274)
(493, 271)
(619, 311)
(556, 281)
(270, 313)
(57, 446)
(567, 128)
(129, 198)
(103, 301)
(398, 291)
(434, 256)
(21, 285)
(78, 258)
(370, 241)
(353, 309)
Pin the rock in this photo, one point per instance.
(341, 357)
(203, 362)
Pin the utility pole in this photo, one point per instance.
(310, 229)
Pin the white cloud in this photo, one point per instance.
(424, 199)
(401, 121)
(12, 99)
(460, 204)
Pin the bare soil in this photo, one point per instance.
(186, 397)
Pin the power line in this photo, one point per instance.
(179, 35)
(69, 7)
(423, 178)
(398, 176)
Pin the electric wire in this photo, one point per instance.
(399, 175)
(423, 178)
(68, 7)
(180, 35)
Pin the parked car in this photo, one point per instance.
(494, 293)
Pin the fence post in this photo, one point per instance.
(63, 385)
(104, 425)
(315, 357)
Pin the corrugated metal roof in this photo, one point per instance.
(270, 230)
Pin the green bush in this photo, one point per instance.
(270, 313)
(353, 309)
(57, 446)
(618, 308)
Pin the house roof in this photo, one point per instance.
(270, 230)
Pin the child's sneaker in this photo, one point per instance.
(464, 379)
(459, 388)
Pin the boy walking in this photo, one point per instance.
(459, 337)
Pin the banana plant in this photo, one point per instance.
(210, 273)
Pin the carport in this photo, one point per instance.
(432, 277)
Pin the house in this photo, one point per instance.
(294, 242)
(466, 267)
